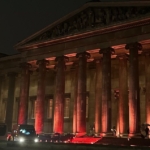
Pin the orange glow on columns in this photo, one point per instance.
(104, 115)
(132, 117)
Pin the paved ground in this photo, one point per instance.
(124, 141)
(107, 143)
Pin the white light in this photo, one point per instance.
(36, 140)
(21, 139)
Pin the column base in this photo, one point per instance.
(134, 135)
(107, 134)
(123, 135)
(80, 134)
(97, 135)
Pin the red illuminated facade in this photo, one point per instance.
(123, 111)
(59, 96)
(81, 93)
(24, 94)
(90, 72)
(39, 108)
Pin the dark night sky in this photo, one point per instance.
(22, 18)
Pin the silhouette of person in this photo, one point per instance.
(114, 130)
(147, 131)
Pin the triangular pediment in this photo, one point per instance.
(90, 17)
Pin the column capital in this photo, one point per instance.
(42, 62)
(42, 65)
(83, 54)
(62, 58)
(107, 50)
(132, 46)
(60, 61)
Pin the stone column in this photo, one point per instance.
(81, 92)
(1, 82)
(2, 77)
(24, 93)
(106, 90)
(147, 86)
(98, 95)
(10, 100)
(39, 113)
(59, 95)
(123, 95)
(134, 100)
(75, 99)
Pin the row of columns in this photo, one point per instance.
(102, 96)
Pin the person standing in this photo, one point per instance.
(147, 131)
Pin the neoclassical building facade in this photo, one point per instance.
(89, 69)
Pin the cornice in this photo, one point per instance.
(88, 34)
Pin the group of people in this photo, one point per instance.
(144, 131)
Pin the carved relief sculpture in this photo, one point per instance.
(92, 18)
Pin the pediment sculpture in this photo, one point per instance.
(93, 18)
